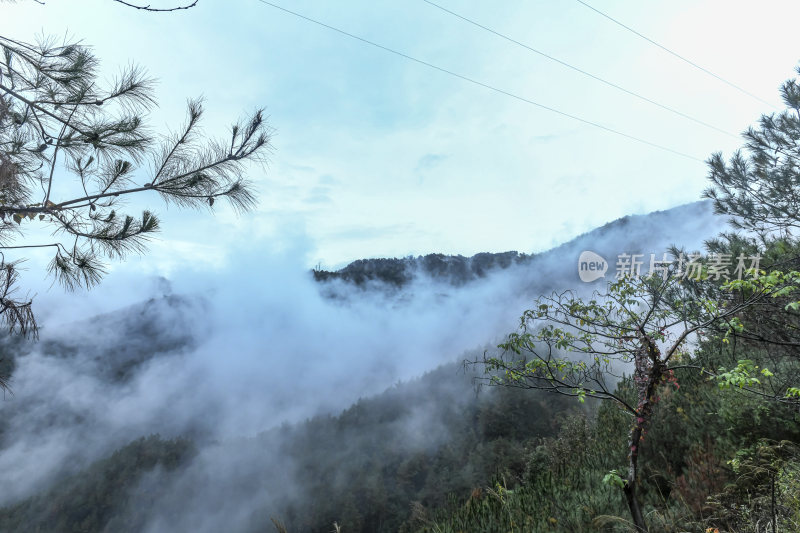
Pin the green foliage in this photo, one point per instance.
(562, 490)
(569, 345)
(614, 479)
(757, 187)
(696, 430)
(763, 489)
(417, 442)
(741, 376)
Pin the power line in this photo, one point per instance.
(585, 73)
(485, 85)
(685, 60)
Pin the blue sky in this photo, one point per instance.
(375, 155)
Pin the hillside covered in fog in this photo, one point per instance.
(197, 414)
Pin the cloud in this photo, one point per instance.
(327, 179)
(429, 161)
(264, 346)
(318, 195)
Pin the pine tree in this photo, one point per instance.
(758, 187)
(60, 125)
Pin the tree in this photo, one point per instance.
(582, 347)
(759, 188)
(70, 152)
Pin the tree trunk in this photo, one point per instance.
(632, 483)
(647, 375)
(633, 505)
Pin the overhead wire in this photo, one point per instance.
(584, 72)
(682, 58)
(482, 84)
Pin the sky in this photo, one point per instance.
(375, 155)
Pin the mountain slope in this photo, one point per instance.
(653, 233)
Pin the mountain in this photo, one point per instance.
(454, 269)
(363, 468)
(652, 233)
(137, 333)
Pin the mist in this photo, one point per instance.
(224, 355)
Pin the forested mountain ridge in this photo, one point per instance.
(651, 233)
(453, 269)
